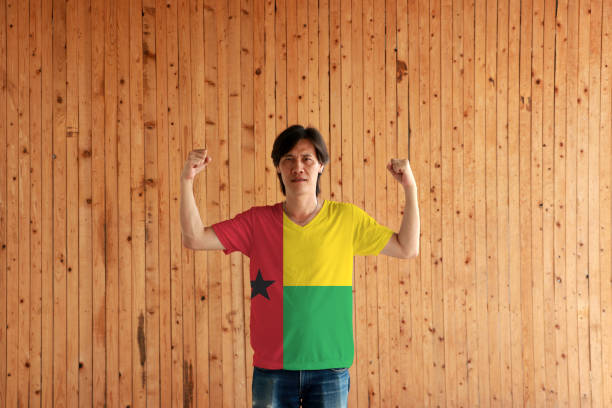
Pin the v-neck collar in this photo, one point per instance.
(314, 221)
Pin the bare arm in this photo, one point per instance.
(405, 243)
(195, 234)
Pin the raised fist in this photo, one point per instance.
(197, 160)
(401, 171)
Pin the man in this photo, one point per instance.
(301, 264)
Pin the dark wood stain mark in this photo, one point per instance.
(401, 68)
(187, 384)
(141, 346)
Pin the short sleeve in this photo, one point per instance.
(369, 237)
(236, 233)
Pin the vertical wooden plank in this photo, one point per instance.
(559, 165)
(548, 195)
(536, 203)
(292, 62)
(480, 216)
(594, 276)
(413, 352)
(124, 213)
(458, 209)
(346, 118)
(47, 207)
(301, 80)
(359, 368)
(12, 200)
(163, 191)
(176, 162)
(280, 12)
(313, 63)
(447, 202)
(526, 381)
(84, 60)
(324, 78)
(149, 183)
(335, 101)
(492, 247)
(431, 247)
(111, 217)
(403, 134)
(98, 204)
(473, 355)
(35, 211)
(259, 108)
(269, 73)
(370, 383)
(571, 191)
(72, 208)
(3, 202)
(428, 150)
(59, 203)
(511, 369)
(503, 198)
(605, 200)
(582, 204)
(23, 110)
(139, 345)
(239, 304)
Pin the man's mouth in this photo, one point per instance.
(297, 180)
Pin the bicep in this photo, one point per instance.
(393, 247)
(207, 241)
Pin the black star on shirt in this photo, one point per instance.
(259, 286)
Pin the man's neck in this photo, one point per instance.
(300, 208)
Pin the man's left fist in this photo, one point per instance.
(401, 171)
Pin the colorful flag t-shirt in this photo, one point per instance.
(301, 281)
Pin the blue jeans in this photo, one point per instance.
(307, 388)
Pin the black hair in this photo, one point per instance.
(289, 138)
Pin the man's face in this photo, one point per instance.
(300, 168)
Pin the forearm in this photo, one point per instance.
(191, 222)
(410, 230)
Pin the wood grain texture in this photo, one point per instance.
(504, 112)
(3, 204)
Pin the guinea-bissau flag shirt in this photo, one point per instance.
(301, 281)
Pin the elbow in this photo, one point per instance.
(410, 253)
(188, 243)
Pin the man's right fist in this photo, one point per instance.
(196, 162)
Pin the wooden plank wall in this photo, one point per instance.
(504, 108)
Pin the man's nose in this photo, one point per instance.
(298, 167)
